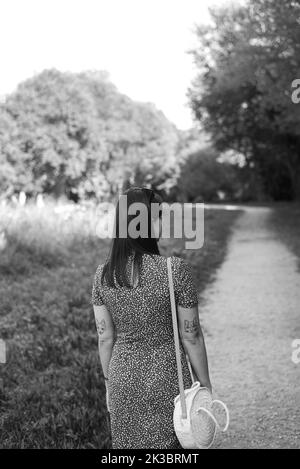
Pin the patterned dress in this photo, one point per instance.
(142, 373)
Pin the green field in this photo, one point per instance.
(52, 394)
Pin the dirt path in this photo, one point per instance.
(251, 314)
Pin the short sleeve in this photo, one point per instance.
(97, 288)
(185, 289)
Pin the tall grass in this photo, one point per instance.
(52, 392)
(43, 236)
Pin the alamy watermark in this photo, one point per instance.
(177, 220)
(296, 93)
(296, 351)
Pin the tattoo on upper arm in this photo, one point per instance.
(191, 326)
(101, 326)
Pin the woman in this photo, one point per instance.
(136, 343)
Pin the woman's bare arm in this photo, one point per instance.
(105, 329)
(193, 342)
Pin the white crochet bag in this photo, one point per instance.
(194, 421)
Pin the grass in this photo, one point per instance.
(52, 393)
(285, 220)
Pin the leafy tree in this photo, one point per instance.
(56, 133)
(13, 160)
(75, 134)
(203, 177)
(247, 61)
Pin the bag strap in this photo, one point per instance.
(178, 361)
(176, 340)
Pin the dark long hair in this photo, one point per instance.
(115, 268)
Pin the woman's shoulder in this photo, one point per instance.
(179, 262)
(100, 267)
(181, 268)
(176, 261)
(184, 281)
(179, 265)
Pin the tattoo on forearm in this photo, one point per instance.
(191, 326)
(101, 326)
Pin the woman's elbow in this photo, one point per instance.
(105, 341)
(194, 340)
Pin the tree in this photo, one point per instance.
(203, 177)
(56, 133)
(13, 160)
(247, 61)
(75, 134)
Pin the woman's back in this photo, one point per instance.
(142, 376)
(144, 312)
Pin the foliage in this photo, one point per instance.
(75, 134)
(247, 61)
(203, 177)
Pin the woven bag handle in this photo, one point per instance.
(176, 340)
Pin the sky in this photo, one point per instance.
(142, 44)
